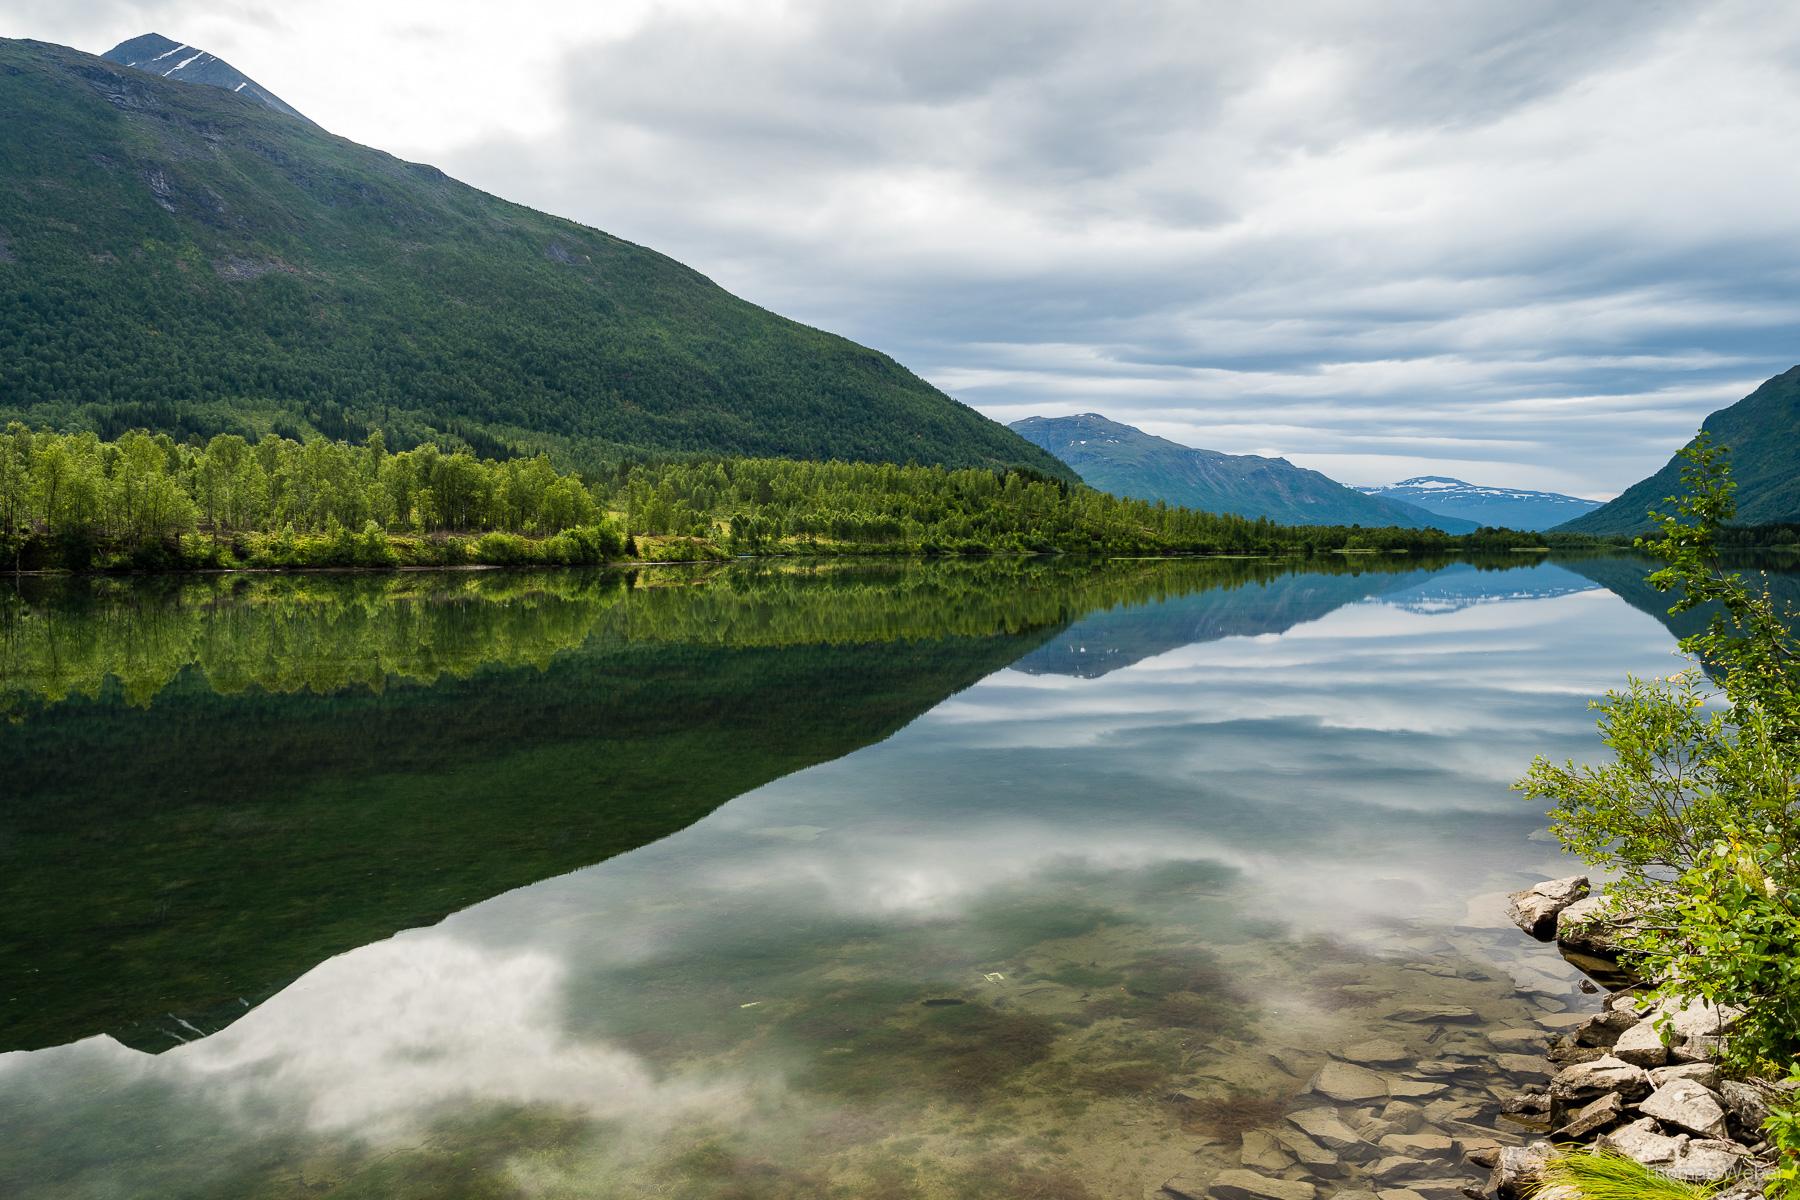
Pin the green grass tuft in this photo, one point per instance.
(1606, 1175)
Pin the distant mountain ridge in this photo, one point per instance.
(1127, 461)
(1509, 508)
(191, 261)
(157, 55)
(1762, 431)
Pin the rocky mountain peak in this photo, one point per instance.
(155, 54)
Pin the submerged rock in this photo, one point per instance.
(1328, 1128)
(1248, 1185)
(1314, 1156)
(1421, 1013)
(1536, 908)
(1261, 1152)
(1378, 1052)
(1349, 1084)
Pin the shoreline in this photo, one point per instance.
(1639, 1077)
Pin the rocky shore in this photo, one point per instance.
(1640, 1077)
(1465, 1083)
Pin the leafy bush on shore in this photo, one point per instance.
(1698, 809)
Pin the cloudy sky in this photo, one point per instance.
(1526, 242)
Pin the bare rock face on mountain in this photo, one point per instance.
(157, 55)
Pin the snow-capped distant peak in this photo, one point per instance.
(1517, 508)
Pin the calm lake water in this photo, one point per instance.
(958, 880)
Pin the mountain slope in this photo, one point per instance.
(164, 57)
(1129, 462)
(186, 259)
(1762, 431)
(1507, 508)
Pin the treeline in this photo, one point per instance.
(148, 501)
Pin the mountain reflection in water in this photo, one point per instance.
(1215, 823)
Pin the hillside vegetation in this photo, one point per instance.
(179, 258)
(1763, 433)
(148, 502)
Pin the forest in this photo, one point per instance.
(72, 501)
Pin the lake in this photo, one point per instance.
(1007, 879)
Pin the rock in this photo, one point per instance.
(1416, 1089)
(1309, 1152)
(1696, 1018)
(1403, 1116)
(1642, 1045)
(1686, 1105)
(1398, 1168)
(1744, 1103)
(1261, 1152)
(1519, 1169)
(1377, 1053)
(1640, 1140)
(1439, 1189)
(1594, 1118)
(1421, 1013)
(1707, 1161)
(1581, 1084)
(1480, 1152)
(1520, 1041)
(1328, 1128)
(1248, 1185)
(1417, 1143)
(1703, 1073)
(1627, 1001)
(1526, 1103)
(1566, 1052)
(1522, 1064)
(1604, 1028)
(1349, 1084)
(1561, 1020)
(1535, 909)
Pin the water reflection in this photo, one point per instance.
(1070, 932)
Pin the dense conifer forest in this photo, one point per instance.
(148, 502)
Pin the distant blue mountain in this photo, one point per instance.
(1129, 462)
(1509, 508)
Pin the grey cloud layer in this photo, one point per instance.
(1533, 242)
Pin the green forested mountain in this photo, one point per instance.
(1762, 431)
(183, 258)
(1129, 462)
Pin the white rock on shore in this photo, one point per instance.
(1535, 909)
